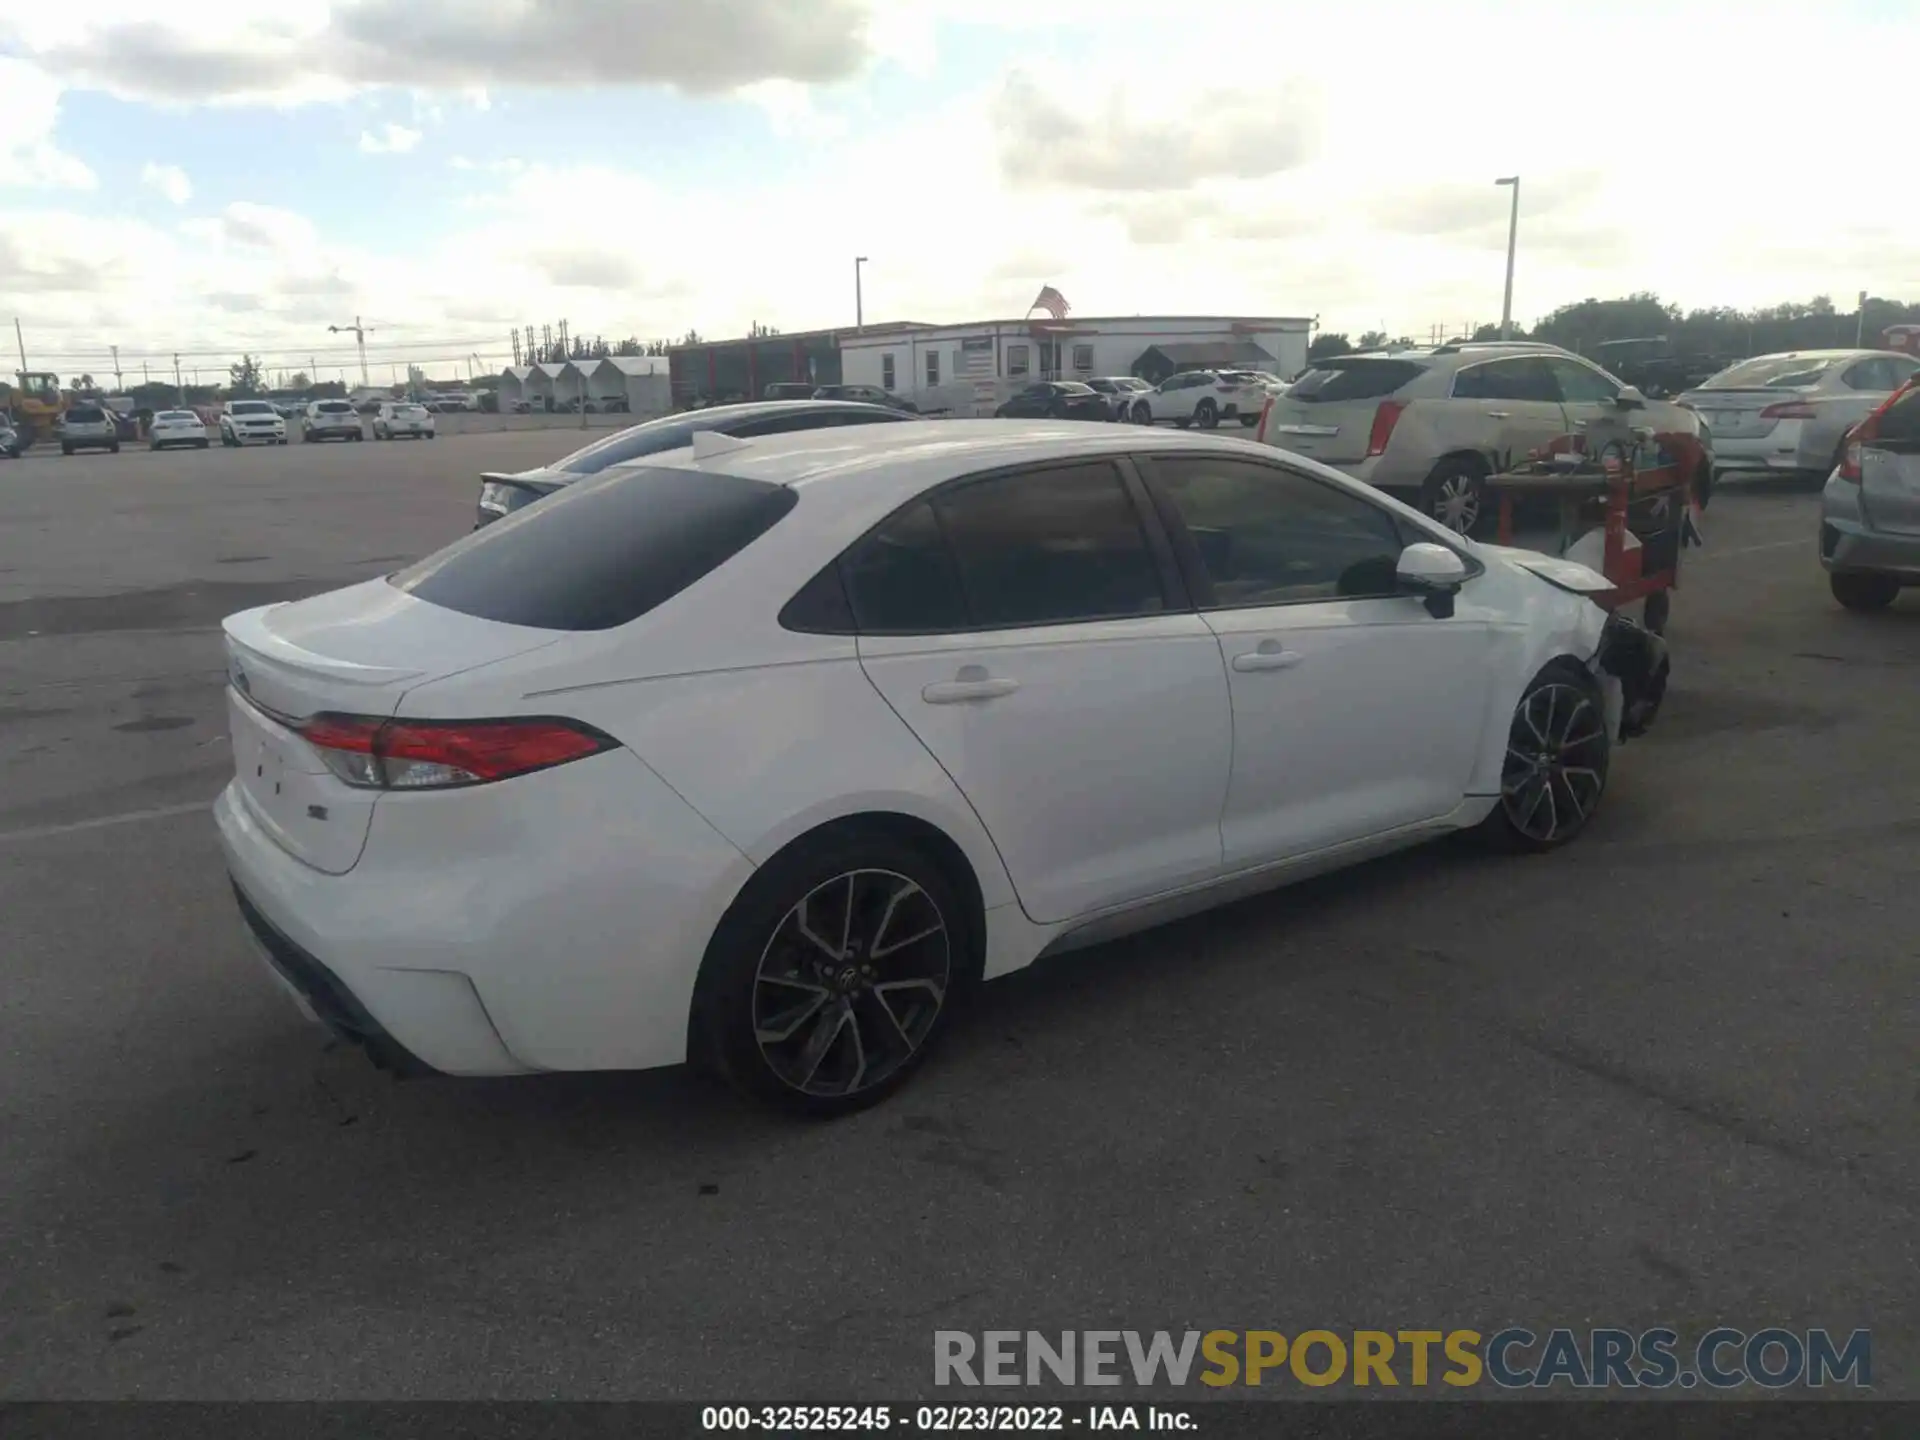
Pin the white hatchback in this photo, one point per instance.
(763, 752)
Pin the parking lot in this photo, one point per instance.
(1664, 1076)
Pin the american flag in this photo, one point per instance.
(1051, 301)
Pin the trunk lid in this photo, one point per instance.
(1328, 412)
(355, 651)
(1737, 414)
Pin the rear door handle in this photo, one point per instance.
(1500, 414)
(971, 683)
(1268, 657)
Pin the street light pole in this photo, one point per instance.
(859, 303)
(1513, 236)
(1860, 325)
(359, 334)
(179, 389)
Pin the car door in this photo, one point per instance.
(1029, 628)
(1586, 394)
(1504, 409)
(1890, 468)
(1355, 711)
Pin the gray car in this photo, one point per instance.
(88, 427)
(1870, 509)
(1429, 425)
(1790, 413)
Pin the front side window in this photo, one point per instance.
(1267, 536)
(1581, 385)
(1512, 380)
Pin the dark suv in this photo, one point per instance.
(503, 494)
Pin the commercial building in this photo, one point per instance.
(639, 380)
(742, 369)
(969, 369)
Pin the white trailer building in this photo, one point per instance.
(970, 369)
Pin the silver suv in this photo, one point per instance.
(1429, 425)
(88, 427)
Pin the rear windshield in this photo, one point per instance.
(177, 415)
(1899, 423)
(85, 415)
(409, 410)
(250, 407)
(334, 407)
(1345, 379)
(652, 438)
(597, 555)
(1772, 372)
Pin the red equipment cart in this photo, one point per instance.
(1645, 492)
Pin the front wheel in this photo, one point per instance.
(1206, 415)
(1142, 413)
(1556, 767)
(833, 974)
(201, 444)
(114, 449)
(1864, 592)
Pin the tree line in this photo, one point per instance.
(1716, 330)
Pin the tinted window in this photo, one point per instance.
(1266, 536)
(1506, 380)
(1332, 380)
(85, 414)
(1580, 385)
(250, 407)
(1050, 547)
(596, 555)
(1875, 374)
(1073, 387)
(334, 407)
(1900, 422)
(652, 438)
(901, 577)
(811, 420)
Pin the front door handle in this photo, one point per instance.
(972, 682)
(1270, 656)
(1500, 414)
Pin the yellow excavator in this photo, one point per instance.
(37, 403)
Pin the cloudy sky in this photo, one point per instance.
(205, 175)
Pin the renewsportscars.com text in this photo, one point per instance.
(1514, 1358)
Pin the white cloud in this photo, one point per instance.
(392, 140)
(168, 180)
(29, 108)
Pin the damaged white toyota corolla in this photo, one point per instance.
(761, 753)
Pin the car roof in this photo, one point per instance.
(914, 454)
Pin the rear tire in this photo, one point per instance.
(66, 449)
(1555, 774)
(1206, 415)
(1455, 494)
(114, 449)
(1249, 421)
(790, 1021)
(1142, 413)
(1863, 591)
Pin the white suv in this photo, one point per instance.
(245, 420)
(1430, 425)
(1200, 397)
(403, 417)
(330, 420)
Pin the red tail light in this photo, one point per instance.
(377, 754)
(1384, 419)
(1789, 410)
(1265, 411)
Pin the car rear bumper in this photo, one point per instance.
(1849, 543)
(1787, 450)
(552, 922)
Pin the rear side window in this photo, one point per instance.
(1038, 547)
(597, 555)
(1050, 547)
(1335, 380)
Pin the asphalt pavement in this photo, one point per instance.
(1666, 1076)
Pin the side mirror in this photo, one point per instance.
(1433, 572)
(1630, 398)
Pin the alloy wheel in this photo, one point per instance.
(1555, 767)
(1456, 503)
(851, 983)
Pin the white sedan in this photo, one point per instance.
(177, 427)
(761, 752)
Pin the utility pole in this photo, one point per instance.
(21, 342)
(145, 379)
(1860, 326)
(179, 389)
(116, 368)
(360, 335)
(859, 301)
(1513, 236)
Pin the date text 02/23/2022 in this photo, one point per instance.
(941, 1419)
